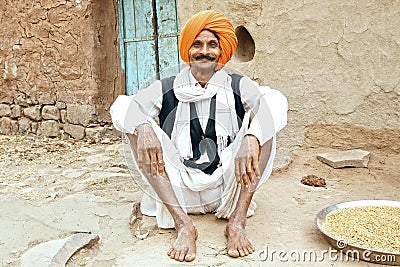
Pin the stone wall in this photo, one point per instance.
(59, 67)
(338, 62)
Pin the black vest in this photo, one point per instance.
(200, 140)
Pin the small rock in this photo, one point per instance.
(14, 127)
(60, 105)
(24, 125)
(21, 100)
(50, 113)
(95, 132)
(34, 127)
(106, 141)
(5, 125)
(16, 111)
(76, 131)
(52, 195)
(5, 110)
(33, 113)
(49, 128)
(63, 115)
(80, 114)
(6, 98)
(348, 158)
(136, 214)
(313, 180)
(57, 252)
(120, 165)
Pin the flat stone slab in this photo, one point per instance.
(56, 253)
(349, 158)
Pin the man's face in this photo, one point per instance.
(204, 52)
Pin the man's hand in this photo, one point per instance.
(247, 171)
(149, 151)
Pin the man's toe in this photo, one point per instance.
(241, 252)
(190, 255)
(246, 251)
(251, 249)
(174, 254)
(177, 255)
(182, 255)
(234, 253)
(169, 252)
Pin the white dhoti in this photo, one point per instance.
(197, 192)
(200, 193)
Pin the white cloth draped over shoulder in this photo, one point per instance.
(226, 119)
(196, 191)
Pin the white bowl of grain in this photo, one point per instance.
(367, 230)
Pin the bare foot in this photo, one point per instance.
(238, 243)
(184, 247)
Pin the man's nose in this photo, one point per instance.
(204, 49)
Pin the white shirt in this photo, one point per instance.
(270, 108)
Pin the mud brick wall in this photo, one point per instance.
(59, 69)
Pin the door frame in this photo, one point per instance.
(162, 44)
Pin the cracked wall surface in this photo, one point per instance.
(338, 62)
(58, 65)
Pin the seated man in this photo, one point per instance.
(211, 148)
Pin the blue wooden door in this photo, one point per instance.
(148, 32)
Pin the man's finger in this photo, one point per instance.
(238, 174)
(249, 171)
(160, 162)
(256, 168)
(153, 160)
(244, 177)
(146, 160)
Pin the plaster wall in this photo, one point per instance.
(338, 63)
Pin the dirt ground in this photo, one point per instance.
(50, 188)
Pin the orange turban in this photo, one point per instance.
(209, 20)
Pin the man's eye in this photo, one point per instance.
(213, 45)
(196, 44)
